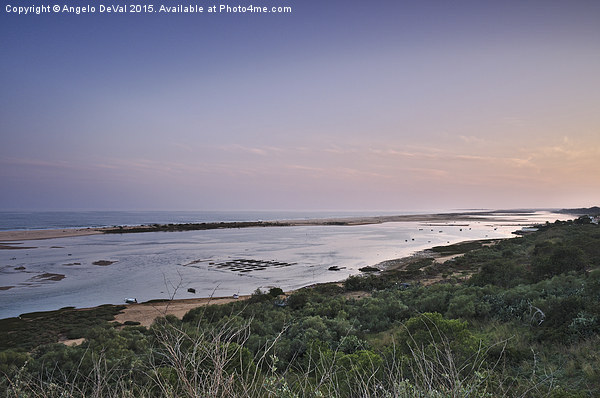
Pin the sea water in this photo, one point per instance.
(54, 273)
(27, 220)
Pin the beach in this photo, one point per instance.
(12, 236)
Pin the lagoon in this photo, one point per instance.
(87, 271)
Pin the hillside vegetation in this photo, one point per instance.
(516, 318)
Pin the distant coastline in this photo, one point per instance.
(37, 234)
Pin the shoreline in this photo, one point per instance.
(40, 234)
(17, 238)
(147, 312)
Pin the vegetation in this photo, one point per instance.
(515, 318)
(192, 226)
(29, 331)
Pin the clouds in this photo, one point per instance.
(297, 175)
(397, 107)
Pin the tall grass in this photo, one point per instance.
(212, 361)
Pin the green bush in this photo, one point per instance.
(560, 259)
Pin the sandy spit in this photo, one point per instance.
(11, 236)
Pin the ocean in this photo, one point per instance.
(26, 220)
(87, 271)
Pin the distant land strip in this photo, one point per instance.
(22, 235)
(192, 226)
(287, 223)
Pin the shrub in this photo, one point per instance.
(561, 259)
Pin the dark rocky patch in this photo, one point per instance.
(49, 277)
(103, 262)
(369, 269)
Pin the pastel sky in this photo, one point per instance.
(348, 105)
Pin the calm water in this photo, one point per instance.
(165, 264)
(10, 221)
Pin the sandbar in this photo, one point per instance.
(36, 234)
(23, 235)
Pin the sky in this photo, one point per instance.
(336, 105)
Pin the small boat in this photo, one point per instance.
(130, 300)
